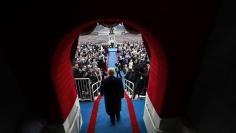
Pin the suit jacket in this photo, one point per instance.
(113, 91)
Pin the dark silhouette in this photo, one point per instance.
(118, 70)
(112, 89)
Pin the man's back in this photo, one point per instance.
(112, 88)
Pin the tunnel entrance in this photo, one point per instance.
(61, 69)
(91, 60)
(104, 47)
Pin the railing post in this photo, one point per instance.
(129, 86)
(91, 91)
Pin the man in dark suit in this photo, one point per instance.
(112, 89)
(118, 69)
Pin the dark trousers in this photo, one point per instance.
(118, 74)
(113, 116)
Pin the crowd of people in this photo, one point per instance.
(94, 39)
(102, 39)
(90, 61)
(133, 61)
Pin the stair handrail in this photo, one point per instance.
(97, 85)
(129, 86)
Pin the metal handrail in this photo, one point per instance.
(129, 85)
(97, 85)
(80, 78)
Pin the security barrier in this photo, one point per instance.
(84, 89)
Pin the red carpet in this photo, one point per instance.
(132, 114)
(94, 115)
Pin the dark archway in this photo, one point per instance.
(62, 75)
